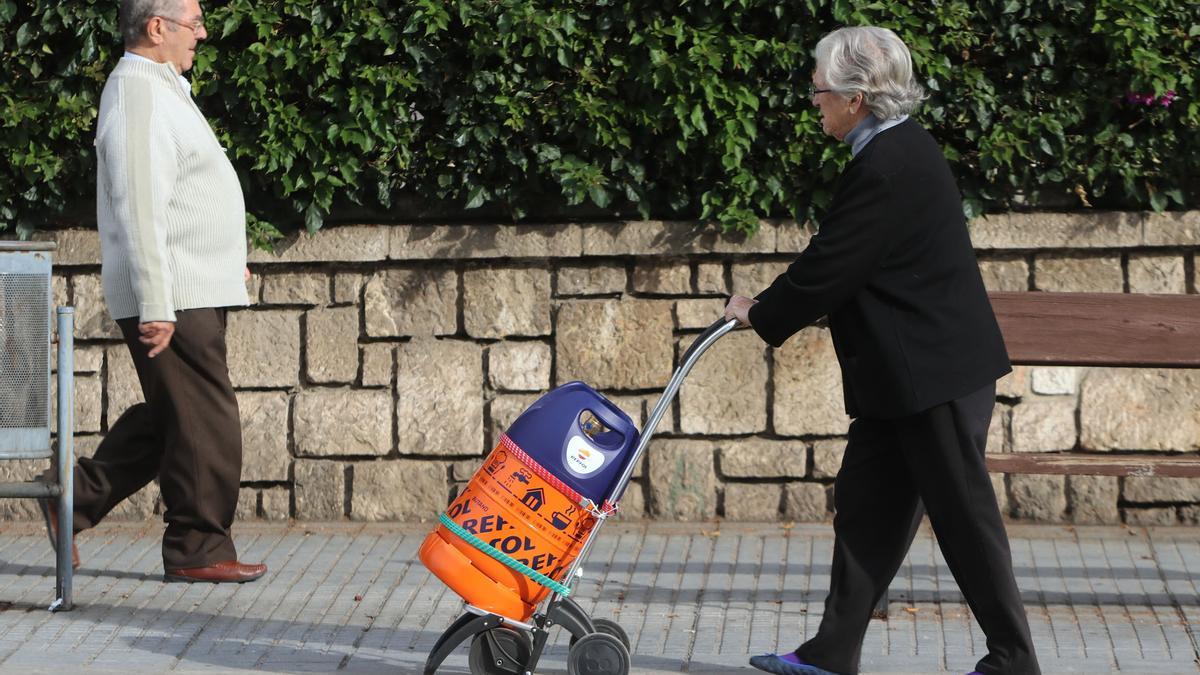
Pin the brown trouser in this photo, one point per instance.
(187, 434)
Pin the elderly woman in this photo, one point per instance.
(920, 351)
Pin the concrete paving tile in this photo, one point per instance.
(352, 598)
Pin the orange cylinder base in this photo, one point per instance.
(441, 556)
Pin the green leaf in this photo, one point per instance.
(229, 25)
(476, 196)
(547, 153)
(313, 218)
(600, 197)
(972, 208)
(697, 119)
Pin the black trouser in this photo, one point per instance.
(890, 468)
(187, 434)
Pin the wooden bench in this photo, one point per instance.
(1099, 329)
(1096, 329)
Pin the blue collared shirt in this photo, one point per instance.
(869, 128)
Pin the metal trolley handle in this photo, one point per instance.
(690, 357)
(693, 353)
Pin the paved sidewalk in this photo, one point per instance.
(694, 597)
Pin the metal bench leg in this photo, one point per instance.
(64, 569)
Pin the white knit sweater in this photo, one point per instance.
(168, 203)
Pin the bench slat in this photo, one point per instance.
(1100, 329)
(1080, 464)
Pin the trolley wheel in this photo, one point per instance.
(598, 654)
(609, 627)
(500, 651)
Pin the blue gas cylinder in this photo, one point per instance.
(579, 436)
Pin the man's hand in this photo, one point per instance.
(739, 308)
(246, 275)
(156, 335)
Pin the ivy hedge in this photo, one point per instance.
(672, 109)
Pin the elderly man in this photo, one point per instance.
(893, 268)
(173, 242)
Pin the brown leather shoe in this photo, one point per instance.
(49, 509)
(224, 572)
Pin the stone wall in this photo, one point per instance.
(377, 365)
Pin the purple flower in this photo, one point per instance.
(1148, 99)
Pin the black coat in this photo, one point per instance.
(893, 268)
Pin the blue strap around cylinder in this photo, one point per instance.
(503, 558)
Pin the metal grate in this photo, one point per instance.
(24, 350)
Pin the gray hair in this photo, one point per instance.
(873, 62)
(135, 14)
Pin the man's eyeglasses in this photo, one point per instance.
(813, 91)
(194, 26)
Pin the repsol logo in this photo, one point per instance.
(515, 544)
(485, 525)
(542, 561)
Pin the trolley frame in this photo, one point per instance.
(560, 609)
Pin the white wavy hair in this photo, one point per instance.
(136, 13)
(873, 62)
